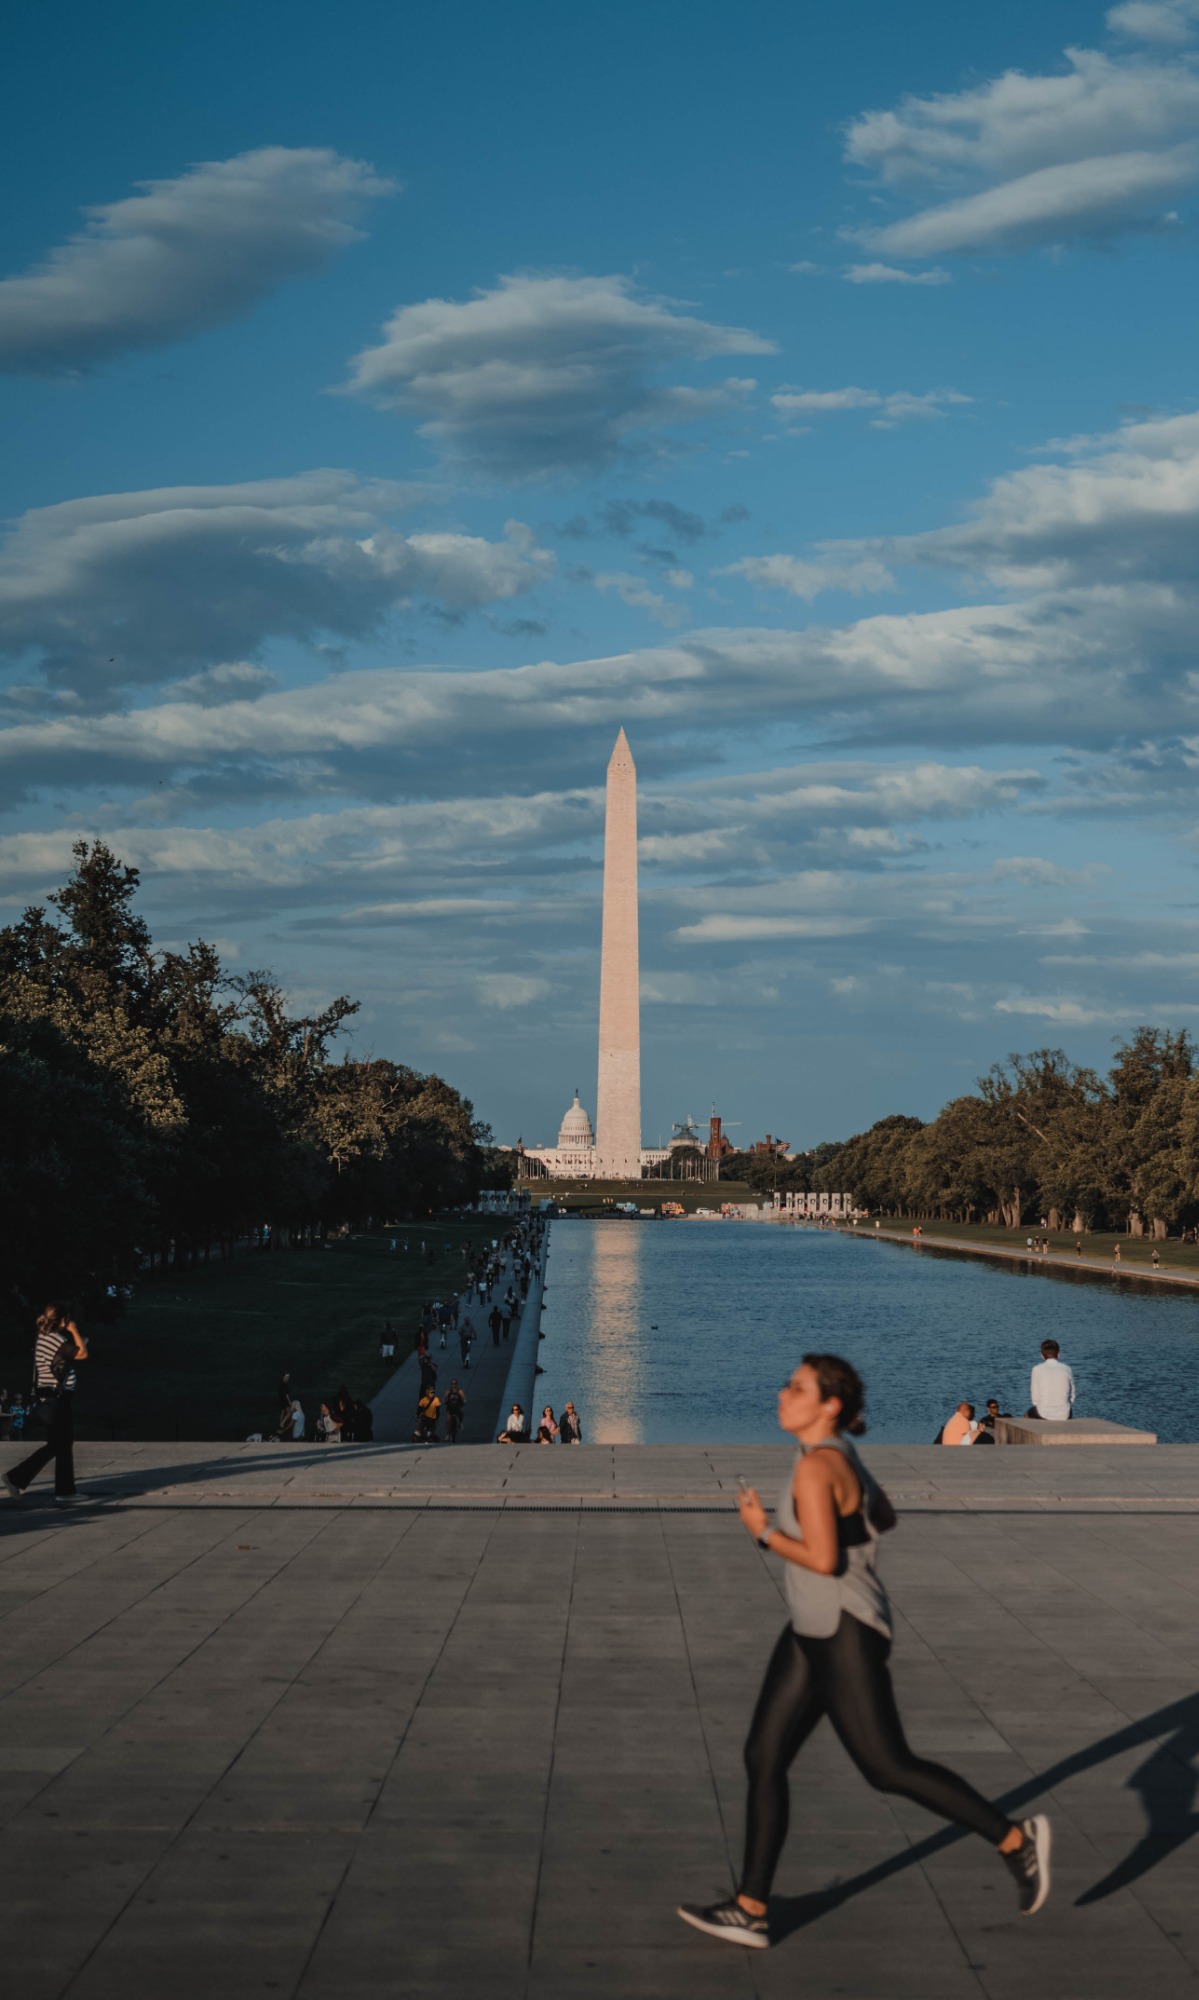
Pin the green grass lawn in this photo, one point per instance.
(590, 1197)
(199, 1354)
(1134, 1250)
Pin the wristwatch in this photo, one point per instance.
(763, 1540)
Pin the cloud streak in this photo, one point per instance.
(543, 376)
(181, 256)
(1097, 149)
(127, 589)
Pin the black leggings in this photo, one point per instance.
(847, 1679)
(59, 1446)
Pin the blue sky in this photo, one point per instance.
(397, 404)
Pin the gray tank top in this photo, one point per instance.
(815, 1602)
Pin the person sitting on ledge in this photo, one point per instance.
(961, 1428)
(516, 1430)
(1051, 1386)
(547, 1429)
(985, 1433)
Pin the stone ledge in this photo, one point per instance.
(1075, 1430)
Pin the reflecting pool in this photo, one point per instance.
(678, 1332)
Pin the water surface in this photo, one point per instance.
(680, 1332)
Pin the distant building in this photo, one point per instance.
(770, 1146)
(574, 1156)
(718, 1146)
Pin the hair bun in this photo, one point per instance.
(857, 1428)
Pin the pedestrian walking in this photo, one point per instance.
(58, 1347)
(455, 1410)
(428, 1410)
(831, 1658)
(495, 1319)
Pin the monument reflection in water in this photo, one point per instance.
(680, 1332)
(612, 1388)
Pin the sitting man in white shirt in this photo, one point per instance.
(1052, 1386)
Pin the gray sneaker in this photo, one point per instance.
(729, 1921)
(15, 1493)
(1029, 1863)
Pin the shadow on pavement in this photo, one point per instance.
(1167, 1782)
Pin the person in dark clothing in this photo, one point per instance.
(455, 1410)
(428, 1372)
(362, 1423)
(57, 1347)
(495, 1319)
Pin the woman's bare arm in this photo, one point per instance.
(816, 1507)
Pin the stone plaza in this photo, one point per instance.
(336, 1722)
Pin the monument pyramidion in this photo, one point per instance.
(618, 1096)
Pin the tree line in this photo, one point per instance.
(155, 1107)
(1042, 1137)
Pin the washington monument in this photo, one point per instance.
(618, 1097)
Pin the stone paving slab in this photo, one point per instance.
(285, 1476)
(249, 1746)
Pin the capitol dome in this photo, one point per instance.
(575, 1134)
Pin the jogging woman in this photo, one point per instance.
(832, 1657)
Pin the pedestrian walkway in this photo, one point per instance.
(330, 1748)
(484, 1382)
(1056, 1259)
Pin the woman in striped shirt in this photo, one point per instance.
(59, 1345)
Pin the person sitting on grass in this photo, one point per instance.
(516, 1430)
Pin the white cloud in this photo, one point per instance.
(1033, 871)
(896, 407)
(1118, 509)
(724, 929)
(1064, 1012)
(232, 680)
(182, 255)
(1094, 149)
(890, 274)
(136, 587)
(793, 401)
(1080, 198)
(511, 989)
(1169, 22)
(807, 579)
(548, 375)
(636, 593)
